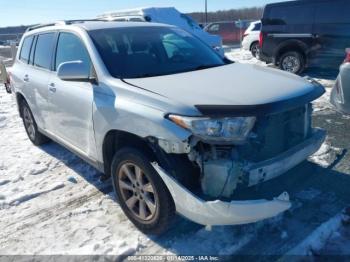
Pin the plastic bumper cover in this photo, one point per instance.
(271, 168)
(217, 212)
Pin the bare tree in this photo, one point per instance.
(252, 13)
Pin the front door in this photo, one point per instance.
(70, 102)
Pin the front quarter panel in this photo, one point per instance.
(112, 111)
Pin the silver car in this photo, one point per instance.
(178, 128)
(340, 95)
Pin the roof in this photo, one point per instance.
(89, 25)
(298, 2)
(102, 25)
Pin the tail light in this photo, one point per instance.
(347, 58)
(261, 39)
(244, 35)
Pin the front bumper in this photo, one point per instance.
(271, 168)
(218, 212)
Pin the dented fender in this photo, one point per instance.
(210, 213)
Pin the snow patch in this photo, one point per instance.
(326, 155)
(317, 239)
(26, 197)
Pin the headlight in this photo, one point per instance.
(235, 129)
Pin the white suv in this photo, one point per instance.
(251, 38)
(155, 108)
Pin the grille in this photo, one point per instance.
(274, 134)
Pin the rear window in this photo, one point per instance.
(43, 50)
(25, 50)
(336, 12)
(257, 27)
(291, 15)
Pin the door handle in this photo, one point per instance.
(26, 78)
(52, 88)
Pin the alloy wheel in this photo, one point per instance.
(29, 123)
(291, 64)
(137, 191)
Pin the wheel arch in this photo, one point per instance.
(254, 42)
(20, 99)
(291, 45)
(117, 139)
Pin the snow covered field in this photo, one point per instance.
(51, 202)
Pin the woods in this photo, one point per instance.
(253, 13)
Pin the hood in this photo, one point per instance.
(241, 88)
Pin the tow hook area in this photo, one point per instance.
(211, 213)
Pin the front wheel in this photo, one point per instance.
(31, 127)
(292, 62)
(142, 194)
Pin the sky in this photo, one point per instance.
(25, 12)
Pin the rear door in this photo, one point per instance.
(332, 31)
(71, 102)
(230, 33)
(36, 76)
(20, 67)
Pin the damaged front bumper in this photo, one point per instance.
(271, 168)
(210, 213)
(218, 212)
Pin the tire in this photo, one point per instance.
(31, 127)
(158, 205)
(254, 49)
(292, 62)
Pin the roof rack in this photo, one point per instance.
(65, 22)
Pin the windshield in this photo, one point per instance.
(136, 52)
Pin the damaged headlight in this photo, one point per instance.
(233, 129)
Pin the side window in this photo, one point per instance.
(70, 48)
(214, 28)
(25, 50)
(332, 13)
(257, 27)
(292, 15)
(228, 27)
(43, 50)
(31, 56)
(120, 19)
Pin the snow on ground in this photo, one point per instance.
(51, 202)
(315, 241)
(326, 155)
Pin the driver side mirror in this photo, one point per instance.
(77, 71)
